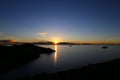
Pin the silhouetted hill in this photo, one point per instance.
(16, 55)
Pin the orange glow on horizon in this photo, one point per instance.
(56, 42)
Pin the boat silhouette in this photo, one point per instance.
(70, 45)
(105, 47)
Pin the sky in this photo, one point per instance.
(61, 20)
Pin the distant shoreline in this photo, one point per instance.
(64, 44)
(3, 42)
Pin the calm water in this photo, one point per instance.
(65, 58)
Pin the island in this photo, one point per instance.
(17, 55)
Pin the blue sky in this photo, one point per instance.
(63, 20)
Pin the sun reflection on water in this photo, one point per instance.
(55, 55)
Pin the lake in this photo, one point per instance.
(65, 58)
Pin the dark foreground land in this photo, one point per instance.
(101, 71)
(17, 55)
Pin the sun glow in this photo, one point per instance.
(55, 42)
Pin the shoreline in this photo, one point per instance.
(103, 70)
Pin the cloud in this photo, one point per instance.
(7, 41)
(43, 33)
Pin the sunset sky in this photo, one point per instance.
(61, 20)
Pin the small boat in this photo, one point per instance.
(104, 47)
(70, 45)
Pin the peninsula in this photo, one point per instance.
(17, 55)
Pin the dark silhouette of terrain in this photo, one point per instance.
(107, 70)
(17, 55)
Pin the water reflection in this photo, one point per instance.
(55, 55)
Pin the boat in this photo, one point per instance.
(70, 46)
(105, 47)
